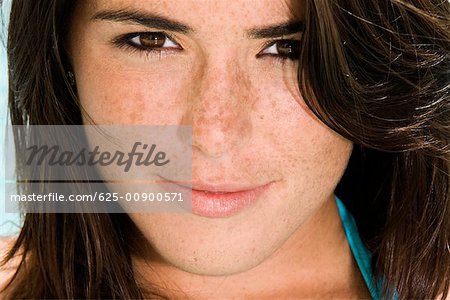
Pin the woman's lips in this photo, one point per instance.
(216, 201)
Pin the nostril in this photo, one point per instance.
(212, 144)
(206, 152)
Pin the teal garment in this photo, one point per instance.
(360, 252)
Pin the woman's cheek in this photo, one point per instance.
(116, 86)
(130, 98)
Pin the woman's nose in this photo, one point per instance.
(219, 108)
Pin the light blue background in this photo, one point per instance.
(9, 223)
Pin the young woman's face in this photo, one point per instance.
(213, 64)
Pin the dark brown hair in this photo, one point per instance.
(376, 72)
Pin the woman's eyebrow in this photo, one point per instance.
(156, 21)
(145, 19)
(277, 30)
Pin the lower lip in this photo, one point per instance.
(220, 205)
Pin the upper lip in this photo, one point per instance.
(217, 187)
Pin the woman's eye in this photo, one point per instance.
(148, 41)
(289, 49)
(151, 40)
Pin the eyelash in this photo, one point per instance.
(124, 41)
(278, 57)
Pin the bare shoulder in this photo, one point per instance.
(448, 296)
(8, 270)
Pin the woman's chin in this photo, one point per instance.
(216, 265)
(209, 251)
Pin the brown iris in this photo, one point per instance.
(152, 39)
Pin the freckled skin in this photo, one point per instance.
(249, 125)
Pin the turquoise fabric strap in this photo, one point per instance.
(360, 252)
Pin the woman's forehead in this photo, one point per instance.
(242, 12)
